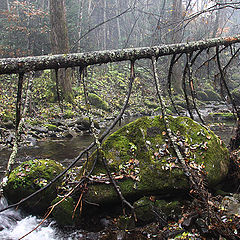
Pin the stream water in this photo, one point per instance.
(15, 224)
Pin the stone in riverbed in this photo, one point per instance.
(30, 176)
(141, 157)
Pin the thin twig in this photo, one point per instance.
(19, 99)
(169, 79)
(184, 86)
(191, 85)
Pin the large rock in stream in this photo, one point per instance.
(142, 156)
(142, 161)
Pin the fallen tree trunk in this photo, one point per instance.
(26, 64)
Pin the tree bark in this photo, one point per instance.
(26, 64)
(59, 41)
(80, 18)
(104, 26)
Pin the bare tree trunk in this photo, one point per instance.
(118, 23)
(89, 7)
(80, 17)
(105, 26)
(176, 37)
(59, 42)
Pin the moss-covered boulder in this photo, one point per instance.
(98, 102)
(140, 156)
(29, 177)
(201, 95)
(223, 116)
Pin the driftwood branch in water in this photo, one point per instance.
(26, 64)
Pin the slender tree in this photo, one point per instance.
(59, 42)
(176, 37)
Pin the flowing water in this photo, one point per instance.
(15, 224)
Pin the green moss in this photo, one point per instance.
(125, 223)
(29, 177)
(96, 101)
(201, 95)
(51, 127)
(150, 104)
(68, 113)
(63, 212)
(223, 116)
(144, 209)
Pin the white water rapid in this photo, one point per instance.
(14, 225)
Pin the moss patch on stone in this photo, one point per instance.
(51, 127)
(145, 207)
(223, 116)
(63, 212)
(96, 101)
(29, 177)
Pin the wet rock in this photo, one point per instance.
(83, 124)
(70, 133)
(31, 141)
(10, 139)
(29, 177)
